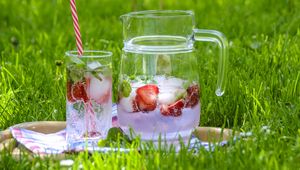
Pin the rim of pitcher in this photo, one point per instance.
(158, 13)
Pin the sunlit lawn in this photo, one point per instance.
(263, 88)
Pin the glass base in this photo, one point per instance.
(172, 138)
(82, 143)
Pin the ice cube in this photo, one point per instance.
(94, 65)
(128, 103)
(99, 88)
(166, 98)
(170, 96)
(159, 79)
(173, 82)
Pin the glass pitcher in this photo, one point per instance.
(159, 91)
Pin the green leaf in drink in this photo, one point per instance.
(132, 77)
(76, 72)
(125, 88)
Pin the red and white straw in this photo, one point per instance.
(76, 27)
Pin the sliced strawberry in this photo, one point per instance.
(164, 110)
(174, 109)
(69, 95)
(134, 106)
(143, 106)
(146, 97)
(148, 93)
(192, 97)
(78, 91)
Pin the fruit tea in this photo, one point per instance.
(165, 106)
(89, 104)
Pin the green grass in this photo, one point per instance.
(263, 86)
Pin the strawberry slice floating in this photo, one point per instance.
(146, 97)
(69, 95)
(78, 92)
(192, 97)
(174, 109)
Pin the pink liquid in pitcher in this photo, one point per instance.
(168, 107)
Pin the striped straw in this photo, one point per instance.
(76, 27)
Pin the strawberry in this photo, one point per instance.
(192, 97)
(143, 106)
(164, 110)
(134, 106)
(146, 97)
(78, 92)
(174, 109)
(69, 95)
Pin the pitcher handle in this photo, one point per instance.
(220, 39)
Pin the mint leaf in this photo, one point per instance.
(115, 136)
(125, 88)
(96, 74)
(75, 72)
(132, 77)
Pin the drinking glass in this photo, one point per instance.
(89, 89)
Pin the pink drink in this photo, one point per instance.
(89, 103)
(167, 106)
(88, 117)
